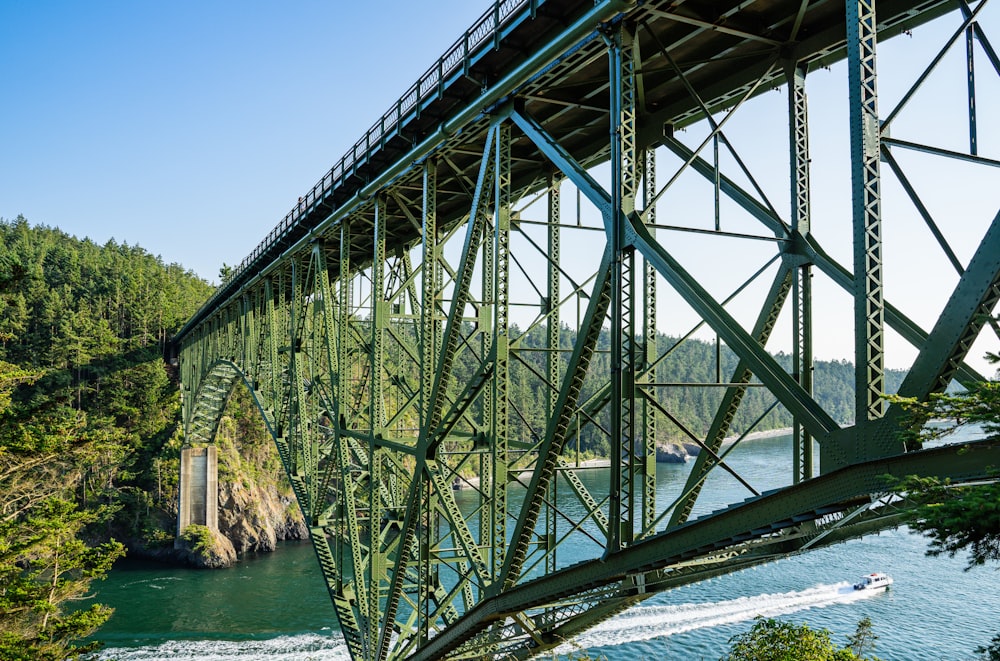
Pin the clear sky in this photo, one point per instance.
(191, 128)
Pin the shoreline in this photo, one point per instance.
(603, 462)
(755, 435)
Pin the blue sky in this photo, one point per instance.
(191, 128)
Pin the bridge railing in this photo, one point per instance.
(428, 87)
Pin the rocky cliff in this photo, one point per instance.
(257, 508)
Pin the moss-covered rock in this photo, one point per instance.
(204, 548)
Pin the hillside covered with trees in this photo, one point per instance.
(86, 404)
(692, 362)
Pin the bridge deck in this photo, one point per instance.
(378, 345)
(732, 44)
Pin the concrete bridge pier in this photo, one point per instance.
(199, 488)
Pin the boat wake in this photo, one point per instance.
(647, 622)
(305, 647)
(634, 625)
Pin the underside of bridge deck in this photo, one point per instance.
(485, 279)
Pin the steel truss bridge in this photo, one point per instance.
(529, 176)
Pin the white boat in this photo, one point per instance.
(874, 581)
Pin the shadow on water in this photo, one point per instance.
(263, 596)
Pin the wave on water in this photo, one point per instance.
(306, 647)
(647, 622)
(152, 581)
(634, 625)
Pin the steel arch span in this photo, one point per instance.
(557, 189)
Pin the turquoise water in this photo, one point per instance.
(275, 607)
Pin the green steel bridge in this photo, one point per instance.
(528, 177)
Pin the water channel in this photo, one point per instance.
(275, 607)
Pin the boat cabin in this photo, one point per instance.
(873, 581)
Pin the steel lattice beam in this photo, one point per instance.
(378, 328)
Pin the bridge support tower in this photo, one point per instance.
(199, 489)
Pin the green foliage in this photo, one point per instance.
(247, 452)
(44, 566)
(980, 405)
(956, 519)
(990, 652)
(86, 406)
(774, 640)
(863, 638)
(199, 538)
(44, 563)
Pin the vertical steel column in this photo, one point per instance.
(265, 301)
(361, 604)
(865, 185)
(552, 344)
(225, 333)
(649, 353)
(717, 184)
(429, 291)
(296, 413)
(379, 318)
(501, 344)
(313, 361)
(970, 59)
(233, 335)
(343, 380)
(220, 333)
(228, 332)
(282, 392)
(428, 364)
(271, 324)
(376, 415)
(328, 350)
(248, 332)
(624, 187)
(189, 380)
(300, 420)
(486, 462)
(255, 344)
(802, 359)
(207, 342)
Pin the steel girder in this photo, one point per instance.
(388, 351)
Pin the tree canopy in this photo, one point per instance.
(776, 640)
(956, 519)
(85, 403)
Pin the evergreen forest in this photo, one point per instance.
(87, 408)
(693, 406)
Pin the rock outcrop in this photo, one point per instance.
(255, 516)
(676, 453)
(257, 508)
(671, 453)
(203, 548)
